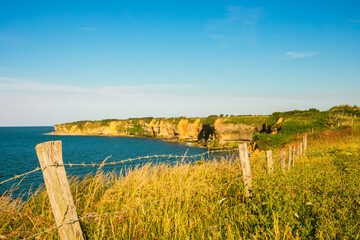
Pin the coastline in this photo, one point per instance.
(96, 134)
(172, 140)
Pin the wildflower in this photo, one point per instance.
(117, 217)
(96, 219)
(296, 215)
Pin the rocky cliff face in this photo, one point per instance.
(162, 128)
(228, 132)
(178, 129)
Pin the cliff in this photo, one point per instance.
(228, 130)
(276, 129)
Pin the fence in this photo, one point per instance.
(61, 200)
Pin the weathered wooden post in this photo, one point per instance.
(246, 170)
(58, 189)
(304, 143)
(282, 160)
(289, 159)
(269, 162)
(300, 149)
(293, 155)
(297, 151)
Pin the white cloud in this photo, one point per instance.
(301, 54)
(87, 28)
(216, 36)
(28, 102)
(238, 25)
(25, 108)
(24, 85)
(30, 86)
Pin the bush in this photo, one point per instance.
(137, 129)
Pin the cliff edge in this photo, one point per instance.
(228, 131)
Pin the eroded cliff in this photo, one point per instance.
(173, 129)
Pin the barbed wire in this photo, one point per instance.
(156, 201)
(163, 156)
(38, 234)
(129, 210)
(150, 203)
(21, 175)
(129, 160)
(157, 156)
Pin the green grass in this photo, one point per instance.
(300, 122)
(256, 121)
(137, 129)
(346, 110)
(317, 199)
(209, 120)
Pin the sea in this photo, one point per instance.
(18, 155)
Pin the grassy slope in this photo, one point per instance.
(319, 198)
(298, 122)
(294, 122)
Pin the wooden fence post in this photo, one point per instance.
(293, 155)
(269, 162)
(282, 160)
(305, 143)
(246, 170)
(300, 149)
(58, 189)
(289, 159)
(297, 151)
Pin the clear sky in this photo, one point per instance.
(63, 61)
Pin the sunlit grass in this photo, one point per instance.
(318, 198)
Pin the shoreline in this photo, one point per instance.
(174, 140)
(171, 140)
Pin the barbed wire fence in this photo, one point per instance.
(91, 215)
(148, 159)
(142, 159)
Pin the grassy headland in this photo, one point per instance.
(263, 132)
(319, 197)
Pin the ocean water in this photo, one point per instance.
(17, 153)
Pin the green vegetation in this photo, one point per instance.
(256, 121)
(317, 199)
(106, 122)
(121, 127)
(273, 131)
(346, 110)
(144, 119)
(298, 122)
(191, 120)
(209, 120)
(137, 129)
(175, 121)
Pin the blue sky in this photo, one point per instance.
(62, 61)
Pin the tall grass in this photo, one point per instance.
(318, 198)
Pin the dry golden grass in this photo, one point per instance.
(318, 198)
